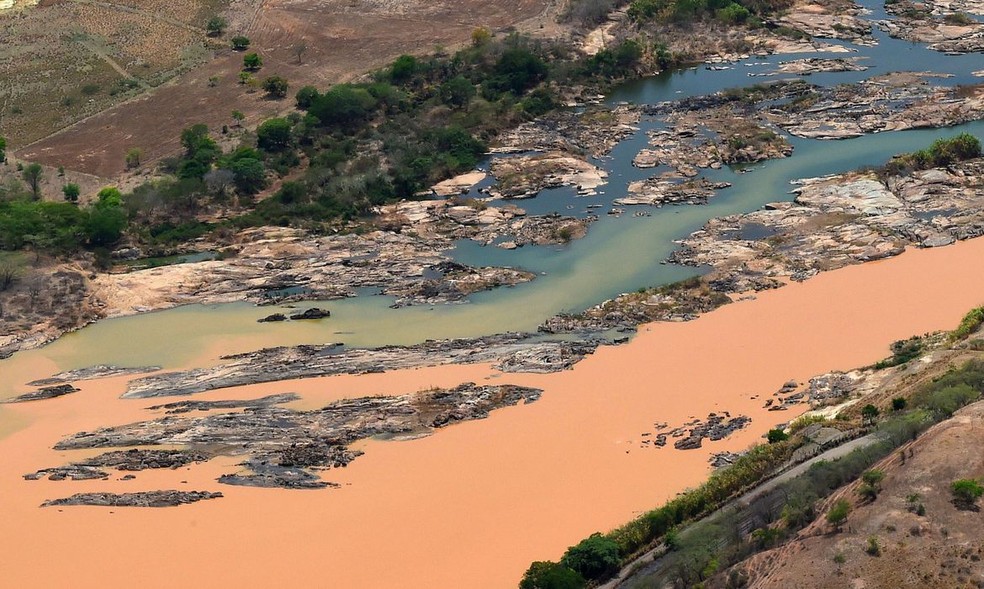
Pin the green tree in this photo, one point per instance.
(215, 26)
(274, 135)
(276, 86)
(306, 96)
(106, 218)
(777, 435)
(403, 69)
(239, 43)
(133, 157)
(899, 403)
(3, 150)
(966, 492)
(71, 192)
(343, 106)
(550, 575)
(252, 62)
(480, 37)
(838, 513)
(32, 174)
(595, 557)
(868, 414)
(238, 117)
(457, 92)
(518, 70)
(250, 175)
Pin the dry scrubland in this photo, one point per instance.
(343, 40)
(62, 61)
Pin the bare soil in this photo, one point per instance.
(343, 40)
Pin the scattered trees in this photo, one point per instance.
(966, 492)
(868, 414)
(71, 192)
(550, 575)
(871, 484)
(838, 514)
(133, 157)
(9, 273)
(274, 135)
(252, 62)
(596, 557)
(306, 96)
(215, 26)
(275, 86)
(32, 174)
(298, 50)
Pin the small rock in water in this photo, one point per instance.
(312, 313)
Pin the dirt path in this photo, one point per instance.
(101, 54)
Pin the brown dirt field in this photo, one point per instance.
(344, 39)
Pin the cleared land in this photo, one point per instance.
(342, 39)
(62, 61)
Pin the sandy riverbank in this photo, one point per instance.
(475, 503)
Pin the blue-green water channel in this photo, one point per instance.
(619, 254)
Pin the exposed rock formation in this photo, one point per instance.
(140, 499)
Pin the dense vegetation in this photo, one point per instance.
(942, 153)
(347, 149)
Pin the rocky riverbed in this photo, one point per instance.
(837, 221)
(281, 447)
(511, 352)
(944, 26)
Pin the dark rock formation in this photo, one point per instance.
(140, 499)
(511, 352)
(45, 393)
(281, 443)
(188, 406)
(312, 313)
(92, 372)
(272, 318)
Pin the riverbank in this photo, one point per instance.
(588, 420)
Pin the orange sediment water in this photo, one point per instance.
(472, 505)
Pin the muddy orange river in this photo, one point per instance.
(472, 505)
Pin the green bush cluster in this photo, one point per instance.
(942, 153)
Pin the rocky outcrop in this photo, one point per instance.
(830, 20)
(680, 301)
(140, 499)
(485, 224)
(595, 131)
(944, 26)
(892, 102)
(712, 131)
(91, 373)
(311, 314)
(661, 191)
(524, 176)
(283, 446)
(44, 303)
(512, 352)
(838, 221)
(128, 460)
(274, 265)
(188, 406)
(49, 392)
